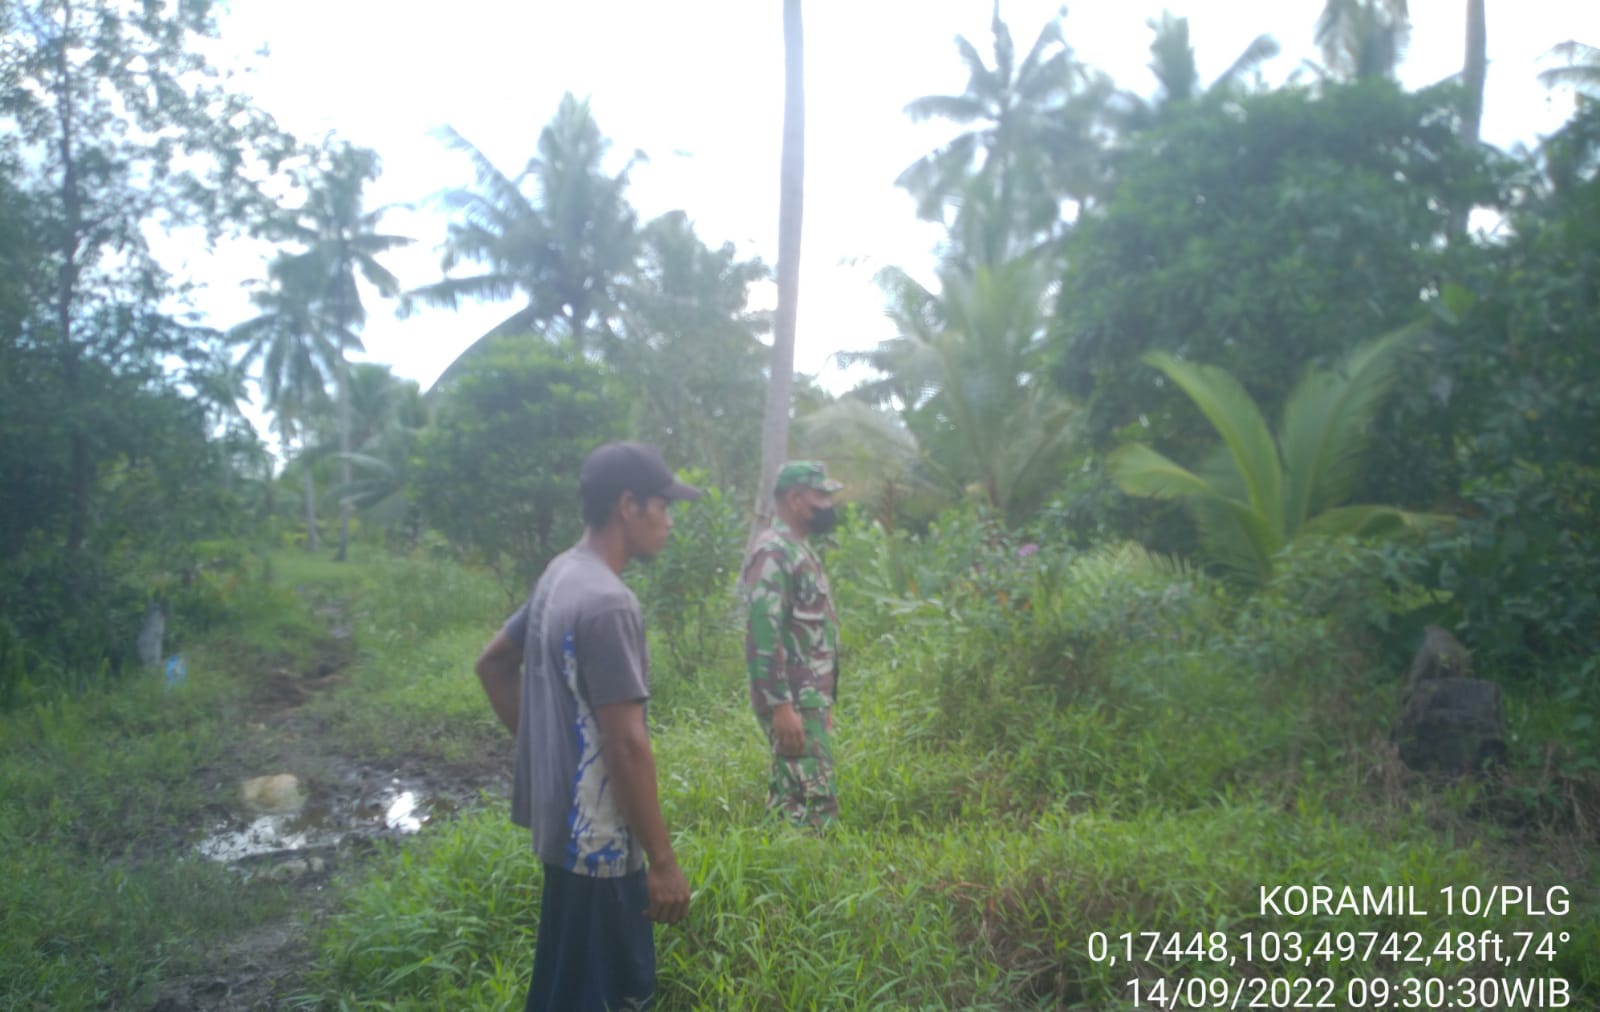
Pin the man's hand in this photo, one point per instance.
(669, 892)
(788, 730)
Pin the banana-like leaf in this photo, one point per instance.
(1139, 470)
(1234, 537)
(1226, 405)
(1325, 427)
(1368, 519)
(1235, 534)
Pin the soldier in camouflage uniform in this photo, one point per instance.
(792, 646)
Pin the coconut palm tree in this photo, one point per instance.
(295, 358)
(691, 352)
(1030, 129)
(791, 208)
(341, 243)
(387, 414)
(1256, 494)
(560, 234)
(964, 371)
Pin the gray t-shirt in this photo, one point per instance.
(583, 647)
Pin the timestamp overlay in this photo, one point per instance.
(1498, 952)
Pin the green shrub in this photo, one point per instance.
(689, 593)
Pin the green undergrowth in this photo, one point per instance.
(977, 856)
(100, 795)
(413, 696)
(1046, 747)
(1049, 747)
(967, 913)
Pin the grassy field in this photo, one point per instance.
(1033, 761)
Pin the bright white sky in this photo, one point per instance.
(698, 86)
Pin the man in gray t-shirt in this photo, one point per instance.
(569, 675)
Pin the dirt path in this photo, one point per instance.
(348, 804)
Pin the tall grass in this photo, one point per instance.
(1072, 746)
(99, 796)
(1033, 746)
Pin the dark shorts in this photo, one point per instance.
(595, 951)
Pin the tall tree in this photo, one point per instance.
(117, 120)
(966, 371)
(293, 352)
(691, 351)
(340, 243)
(1475, 70)
(1260, 242)
(560, 234)
(791, 195)
(1030, 137)
(1474, 75)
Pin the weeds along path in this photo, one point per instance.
(324, 769)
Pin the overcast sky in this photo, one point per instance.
(698, 86)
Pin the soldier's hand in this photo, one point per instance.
(669, 892)
(789, 731)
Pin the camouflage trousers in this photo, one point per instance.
(800, 788)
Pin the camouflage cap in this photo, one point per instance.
(807, 473)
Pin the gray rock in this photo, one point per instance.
(1449, 721)
(278, 793)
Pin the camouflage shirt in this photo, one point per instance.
(791, 634)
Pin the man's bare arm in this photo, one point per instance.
(632, 767)
(499, 668)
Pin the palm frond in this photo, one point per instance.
(1237, 418)
(1365, 520)
(956, 108)
(1261, 49)
(1582, 70)
(1233, 537)
(1138, 469)
(1325, 426)
(500, 191)
(980, 79)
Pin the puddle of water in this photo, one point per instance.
(390, 811)
(268, 834)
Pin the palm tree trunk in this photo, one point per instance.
(343, 322)
(791, 193)
(1474, 74)
(313, 542)
(1476, 71)
(344, 453)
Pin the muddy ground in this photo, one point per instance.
(349, 804)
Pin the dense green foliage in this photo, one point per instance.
(1259, 234)
(498, 472)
